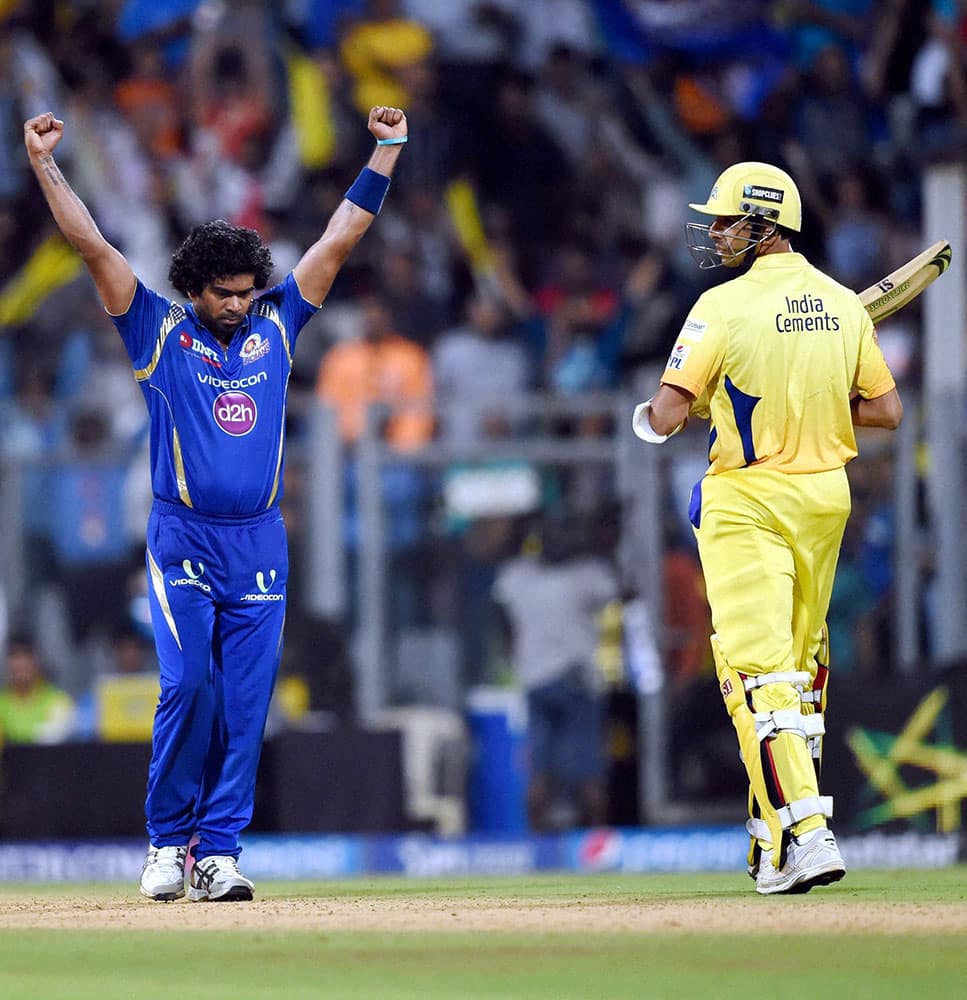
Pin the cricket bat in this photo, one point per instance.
(903, 285)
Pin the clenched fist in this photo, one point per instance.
(41, 134)
(387, 123)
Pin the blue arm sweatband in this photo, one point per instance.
(368, 190)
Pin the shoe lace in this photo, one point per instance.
(221, 863)
(168, 857)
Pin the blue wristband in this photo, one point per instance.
(368, 190)
(391, 142)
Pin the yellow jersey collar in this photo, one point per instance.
(776, 260)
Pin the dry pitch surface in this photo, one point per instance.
(834, 910)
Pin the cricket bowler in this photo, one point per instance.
(214, 373)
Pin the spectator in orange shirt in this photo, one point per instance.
(380, 367)
(149, 101)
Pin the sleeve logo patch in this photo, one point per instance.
(678, 356)
(763, 193)
(694, 329)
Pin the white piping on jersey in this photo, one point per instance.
(269, 312)
(278, 461)
(158, 583)
(179, 457)
(175, 315)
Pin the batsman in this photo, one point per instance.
(784, 362)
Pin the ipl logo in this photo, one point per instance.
(235, 412)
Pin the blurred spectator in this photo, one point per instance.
(552, 602)
(149, 101)
(850, 616)
(567, 104)
(131, 655)
(939, 82)
(855, 232)
(380, 50)
(832, 104)
(417, 315)
(87, 539)
(814, 25)
(577, 308)
(520, 167)
(32, 710)
(379, 368)
(477, 372)
(688, 618)
(232, 93)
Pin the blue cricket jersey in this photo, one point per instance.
(217, 413)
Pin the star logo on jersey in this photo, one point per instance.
(254, 348)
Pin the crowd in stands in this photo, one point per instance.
(532, 239)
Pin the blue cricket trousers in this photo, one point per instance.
(217, 593)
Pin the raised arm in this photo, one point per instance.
(317, 270)
(113, 277)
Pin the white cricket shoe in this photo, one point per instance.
(813, 859)
(217, 879)
(163, 873)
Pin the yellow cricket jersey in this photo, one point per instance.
(772, 358)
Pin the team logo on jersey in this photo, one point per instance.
(207, 354)
(680, 353)
(264, 589)
(254, 348)
(235, 412)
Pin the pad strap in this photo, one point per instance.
(788, 720)
(789, 815)
(794, 677)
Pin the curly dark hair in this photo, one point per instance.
(218, 250)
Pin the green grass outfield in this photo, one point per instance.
(839, 942)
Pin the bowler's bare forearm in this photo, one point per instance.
(69, 212)
(317, 270)
(349, 222)
(112, 274)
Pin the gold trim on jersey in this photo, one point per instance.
(180, 477)
(278, 461)
(158, 584)
(177, 455)
(268, 311)
(175, 315)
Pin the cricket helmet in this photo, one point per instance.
(759, 197)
